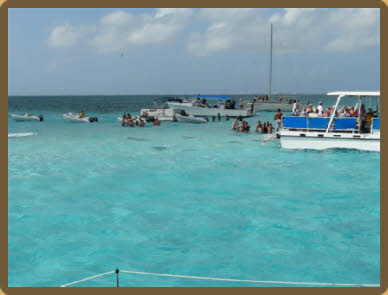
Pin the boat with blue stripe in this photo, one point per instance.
(334, 132)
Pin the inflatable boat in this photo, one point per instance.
(73, 117)
(190, 119)
(27, 117)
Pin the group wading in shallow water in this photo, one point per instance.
(244, 127)
(130, 121)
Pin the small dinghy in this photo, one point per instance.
(27, 117)
(73, 117)
(190, 119)
(21, 134)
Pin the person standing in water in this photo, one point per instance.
(278, 117)
(219, 117)
(124, 120)
(227, 118)
(213, 118)
(236, 125)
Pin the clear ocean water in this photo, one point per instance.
(198, 200)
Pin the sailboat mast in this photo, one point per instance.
(270, 67)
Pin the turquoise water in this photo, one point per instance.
(185, 199)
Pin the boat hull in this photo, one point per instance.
(269, 106)
(208, 112)
(323, 141)
(161, 114)
(187, 119)
(71, 117)
(272, 106)
(19, 118)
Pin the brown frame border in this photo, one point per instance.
(174, 3)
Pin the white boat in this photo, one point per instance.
(27, 117)
(190, 119)
(334, 132)
(205, 109)
(162, 113)
(73, 117)
(21, 134)
(284, 106)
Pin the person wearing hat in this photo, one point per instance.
(368, 118)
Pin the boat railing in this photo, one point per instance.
(375, 125)
(320, 124)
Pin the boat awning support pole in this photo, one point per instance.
(333, 114)
(117, 278)
(270, 68)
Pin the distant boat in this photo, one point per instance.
(190, 119)
(209, 109)
(27, 117)
(73, 117)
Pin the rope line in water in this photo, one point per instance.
(89, 278)
(247, 281)
(225, 280)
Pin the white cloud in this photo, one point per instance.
(64, 36)
(228, 28)
(327, 29)
(121, 29)
(295, 30)
(217, 29)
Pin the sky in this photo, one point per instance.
(191, 51)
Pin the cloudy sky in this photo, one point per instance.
(177, 51)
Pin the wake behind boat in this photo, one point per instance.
(27, 117)
(79, 118)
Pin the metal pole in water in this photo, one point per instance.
(270, 68)
(117, 278)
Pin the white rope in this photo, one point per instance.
(225, 280)
(248, 281)
(89, 278)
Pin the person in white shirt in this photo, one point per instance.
(295, 107)
(320, 108)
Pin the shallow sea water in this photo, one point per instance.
(188, 199)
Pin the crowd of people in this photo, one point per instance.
(365, 117)
(265, 128)
(129, 121)
(244, 127)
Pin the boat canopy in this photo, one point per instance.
(355, 93)
(214, 96)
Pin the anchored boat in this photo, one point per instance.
(190, 119)
(27, 117)
(334, 132)
(203, 108)
(78, 118)
(162, 110)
